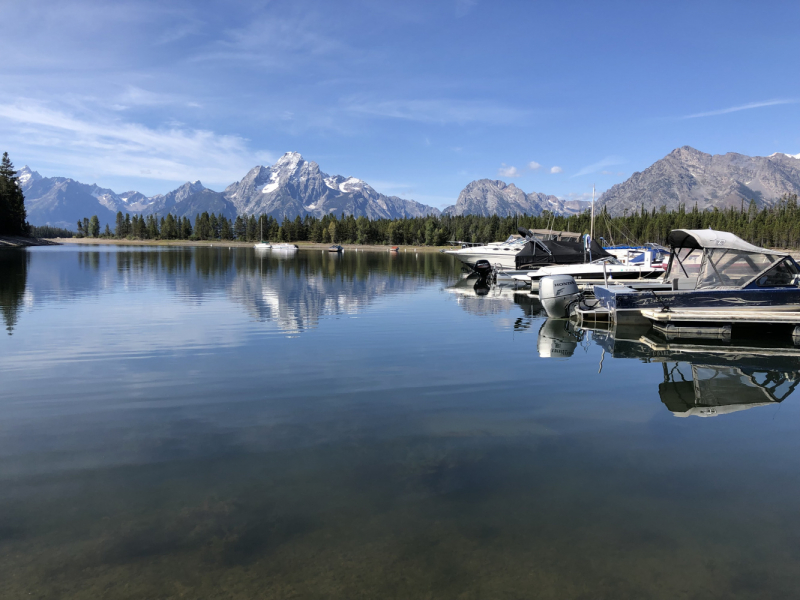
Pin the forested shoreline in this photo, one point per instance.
(775, 226)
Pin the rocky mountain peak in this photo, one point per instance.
(687, 176)
(26, 176)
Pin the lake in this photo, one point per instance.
(213, 423)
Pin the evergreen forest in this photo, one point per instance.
(776, 226)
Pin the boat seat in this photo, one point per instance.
(684, 283)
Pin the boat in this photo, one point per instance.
(635, 255)
(262, 245)
(528, 250)
(284, 247)
(713, 277)
(394, 249)
(598, 271)
(335, 248)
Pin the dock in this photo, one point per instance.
(715, 315)
(717, 323)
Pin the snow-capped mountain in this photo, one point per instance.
(489, 197)
(294, 186)
(290, 187)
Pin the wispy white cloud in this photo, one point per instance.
(732, 109)
(608, 161)
(581, 196)
(556, 169)
(274, 42)
(508, 171)
(113, 147)
(464, 7)
(534, 166)
(437, 111)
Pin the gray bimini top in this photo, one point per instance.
(709, 238)
(708, 259)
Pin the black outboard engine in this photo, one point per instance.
(483, 268)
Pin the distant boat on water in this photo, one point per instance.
(394, 249)
(284, 247)
(335, 248)
(262, 245)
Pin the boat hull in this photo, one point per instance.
(626, 304)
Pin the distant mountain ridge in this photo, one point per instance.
(688, 176)
(487, 197)
(290, 187)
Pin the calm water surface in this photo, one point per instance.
(211, 423)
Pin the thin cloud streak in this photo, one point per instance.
(437, 111)
(732, 109)
(115, 148)
(608, 161)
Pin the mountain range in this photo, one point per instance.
(489, 197)
(294, 186)
(688, 176)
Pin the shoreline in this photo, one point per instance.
(16, 241)
(235, 244)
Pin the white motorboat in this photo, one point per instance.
(606, 269)
(284, 247)
(499, 254)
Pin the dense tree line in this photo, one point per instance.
(12, 201)
(46, 231)
(775, 226)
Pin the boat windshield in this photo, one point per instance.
(609, 260)
(725, 267)
(685, 264)
(515, 240)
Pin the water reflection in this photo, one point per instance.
(703, 379)
(13, 278)
(291, 290)
(478, 298)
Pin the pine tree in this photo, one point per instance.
(119, 230)
(12, 201)
(94, 226)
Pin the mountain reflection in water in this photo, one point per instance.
(291, 290)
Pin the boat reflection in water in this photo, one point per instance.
(704, 379)
(477, 297)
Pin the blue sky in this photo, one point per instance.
(416, 98)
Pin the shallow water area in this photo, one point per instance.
(220, 423)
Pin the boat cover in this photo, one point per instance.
(552, 252)
(709, 238)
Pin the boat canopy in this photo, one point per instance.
(709, 238)
(717, 259)
(552, 252)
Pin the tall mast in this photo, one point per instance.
(591, 230)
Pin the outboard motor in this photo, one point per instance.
(483, 268)
(558, 294)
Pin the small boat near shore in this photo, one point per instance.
(335, 248)
(284, 247)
